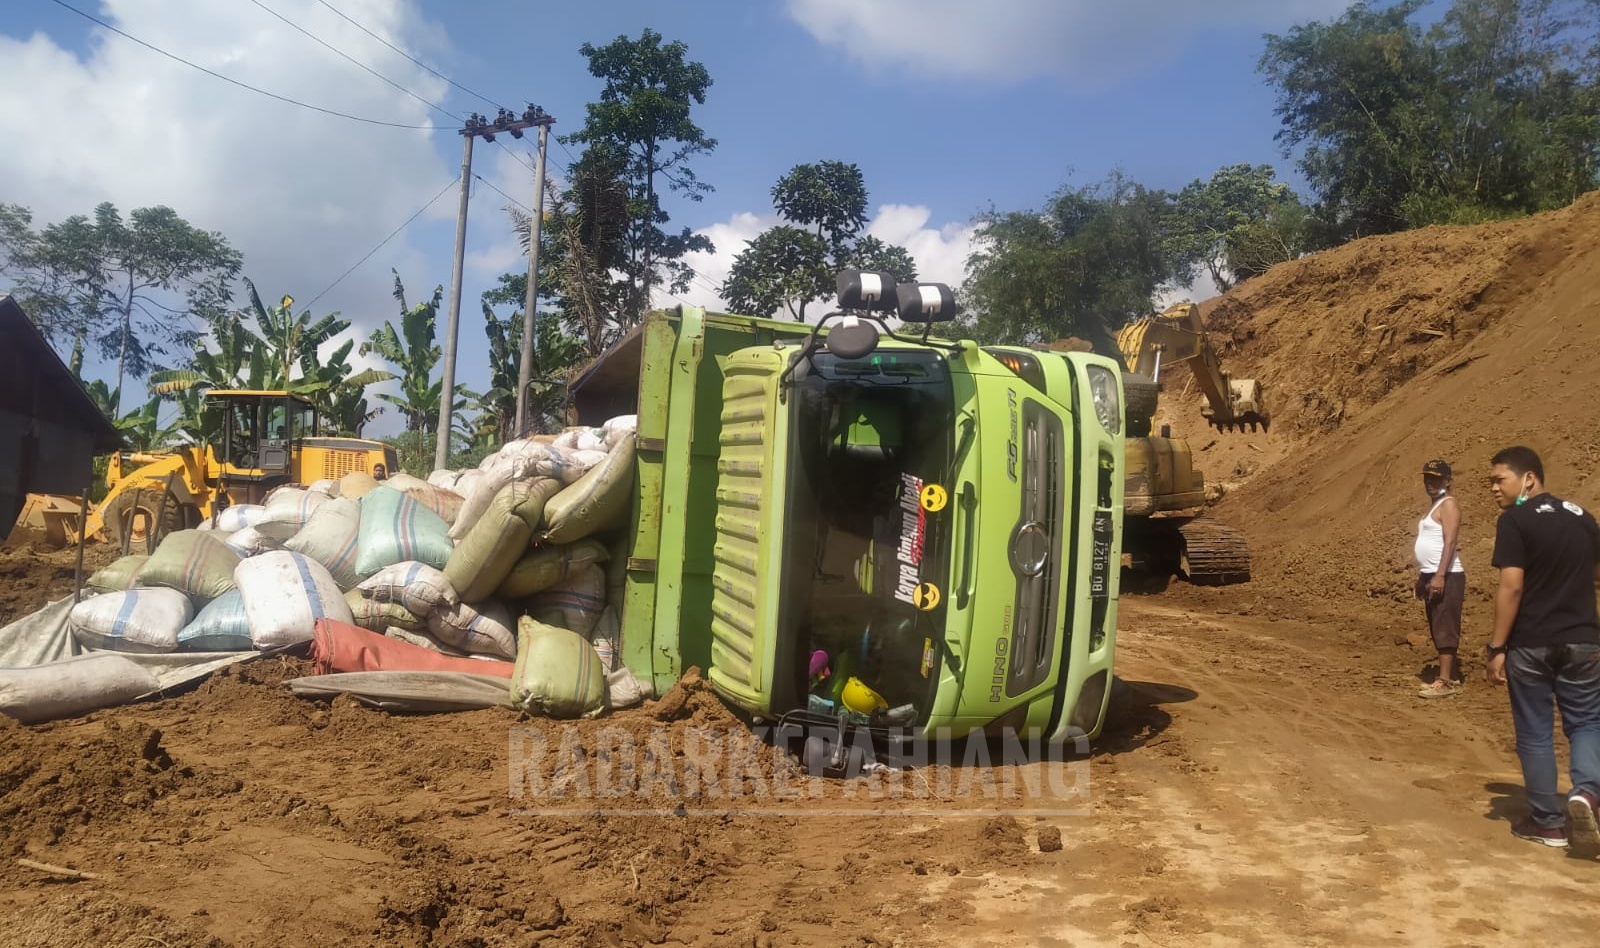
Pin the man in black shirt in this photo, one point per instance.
(1546, 643)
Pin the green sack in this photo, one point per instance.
(378, 616)
(120, 574)
(491, 548)
(557, 673)
(597, 501)
(197, 562)
(395, 529)
(548, 565)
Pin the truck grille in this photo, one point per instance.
(1041, 469)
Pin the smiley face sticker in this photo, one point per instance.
(934, 498)
(926, 597)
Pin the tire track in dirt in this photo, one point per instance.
(1261, 790)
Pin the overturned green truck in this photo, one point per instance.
(854, 523)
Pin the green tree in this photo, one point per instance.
(640, 134)
(1492, 112)
(1092, 259)
(1238, 223)
(783, 267)
(793, 264)
(412, 351)
(828, 195)
(284, 355)
(141, 288)
(555, 356)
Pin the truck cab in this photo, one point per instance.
(875, 526)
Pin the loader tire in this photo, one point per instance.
(137, 520)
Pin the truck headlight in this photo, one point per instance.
(1107, 405)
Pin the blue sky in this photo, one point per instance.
(949, 108)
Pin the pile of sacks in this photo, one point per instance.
(498, 570)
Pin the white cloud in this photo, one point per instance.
(1087, 42)
(303, 195)
(1202, 289)
(507, 184)
(940, 252)
(729, 239)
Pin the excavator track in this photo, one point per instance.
(1214, 554)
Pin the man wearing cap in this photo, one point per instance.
(1442, 583)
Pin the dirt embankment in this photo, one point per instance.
(1447, 342)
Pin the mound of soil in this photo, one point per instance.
(33, 574)
(1447, 342)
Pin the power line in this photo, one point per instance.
(352, 59)
(573, 158)
(448, 185)
(502, 193)
(413, 59)
(524, 162)
(243, 85)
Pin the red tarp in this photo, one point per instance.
(342, 647)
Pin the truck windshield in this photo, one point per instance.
(867, 556)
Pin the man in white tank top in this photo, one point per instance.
(1442, 583)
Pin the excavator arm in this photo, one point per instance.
(1177, 335)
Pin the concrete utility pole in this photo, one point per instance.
(476, 126)
(530, 303)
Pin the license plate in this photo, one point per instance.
(1100, 559)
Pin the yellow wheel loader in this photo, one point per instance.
(268, 439)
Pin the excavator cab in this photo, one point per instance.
(263, 434)
(269, 439)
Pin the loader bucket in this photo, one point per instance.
(51, 519)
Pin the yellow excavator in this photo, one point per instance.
(1164, 492)
(268, 439)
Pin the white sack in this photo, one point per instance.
(250, 542)
(417, 586)
(137, 620)
(288, 511)
(71, 687)
(484, 629)
(284, 596)
(239, 516)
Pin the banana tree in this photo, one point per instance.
(338, 391)
(142, 429)
(240, 358)
(411, 350)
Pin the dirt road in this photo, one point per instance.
(1267, 782)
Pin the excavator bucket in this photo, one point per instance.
(48, 518)
(1248, 412)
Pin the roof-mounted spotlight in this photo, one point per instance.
(866, 289)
